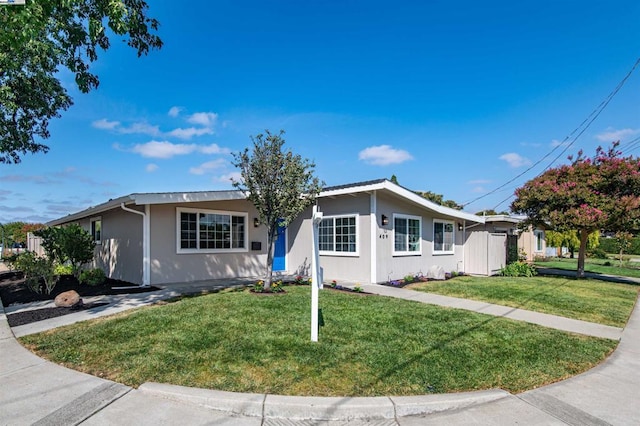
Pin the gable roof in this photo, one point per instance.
(203, 196)
(140, 199)
(402, 192)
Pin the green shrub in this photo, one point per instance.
(37, 271)
(609, 246)
(92, 277)
(598, 253)
(63, 270)
(518, 269)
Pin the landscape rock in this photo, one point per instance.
(68, 299)
(436, 273)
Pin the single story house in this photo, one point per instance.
(371, 232)
(502, 231)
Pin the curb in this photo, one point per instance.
(320, 408)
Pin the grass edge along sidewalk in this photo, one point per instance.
(371, 345)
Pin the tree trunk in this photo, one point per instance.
(584, 236)
(271, 234)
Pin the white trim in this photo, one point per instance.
(420, 239)
(374, 239)
(433, 242)
(146, 242)
(405, 193)
(93, 220)
(538, 235)
(180, 250)
(333, 252)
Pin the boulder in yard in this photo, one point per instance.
(68, 299)
(436, 273)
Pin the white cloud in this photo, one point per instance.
(612, 135)
(383, 155)
(213, 149)
(136, 128)
(479, 190)
(151, 167)
(140, 128)
(230, 177)
(174, 111)
(206, 119)
(189, 132)
(208, 167)
(515, 160)
(105, 124)
(478, 181)
(166, 149)
(531, 144)
(555, 143)
(163, 149)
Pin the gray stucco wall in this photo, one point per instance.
(119, 254)
(390, 266)
(387, 264)
(169, 266)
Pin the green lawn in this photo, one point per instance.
(371, 345)
(598, 266)
(588, 300)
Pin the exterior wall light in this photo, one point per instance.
(385, 220)
(256, 222)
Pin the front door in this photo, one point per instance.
(280, 251)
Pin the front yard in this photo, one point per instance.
(370, 345)
(587, 300)
(597, 266)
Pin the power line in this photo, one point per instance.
(580, 129)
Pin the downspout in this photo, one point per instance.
(146, 242)
(373, 244)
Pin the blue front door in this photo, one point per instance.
(280, 250)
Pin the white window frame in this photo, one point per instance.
(92, 221)
(357, 242)
(198, 250)
(407, 252)
(538, 237)
(453, 232)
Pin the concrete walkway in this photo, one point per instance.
(35, 391)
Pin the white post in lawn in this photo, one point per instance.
(316, 276)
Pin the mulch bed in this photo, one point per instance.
(27, 317)
(14, 291)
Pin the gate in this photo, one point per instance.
(496, 253)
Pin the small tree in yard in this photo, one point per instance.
(70, 244)
(623, 243)
(590, 194)
(280, 184)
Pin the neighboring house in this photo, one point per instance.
(502, 231)
(371, 232)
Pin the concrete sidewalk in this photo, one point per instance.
(35, 391)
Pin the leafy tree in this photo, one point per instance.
(16, 232)
(394, 179)
(570, 240)
(281, 185)
(599, 193)
(623, 243)
(491, 212)
(439, 199)
(40, 37)
(70, 244)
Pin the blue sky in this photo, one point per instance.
(454, 97)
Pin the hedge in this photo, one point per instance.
(609, 245)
